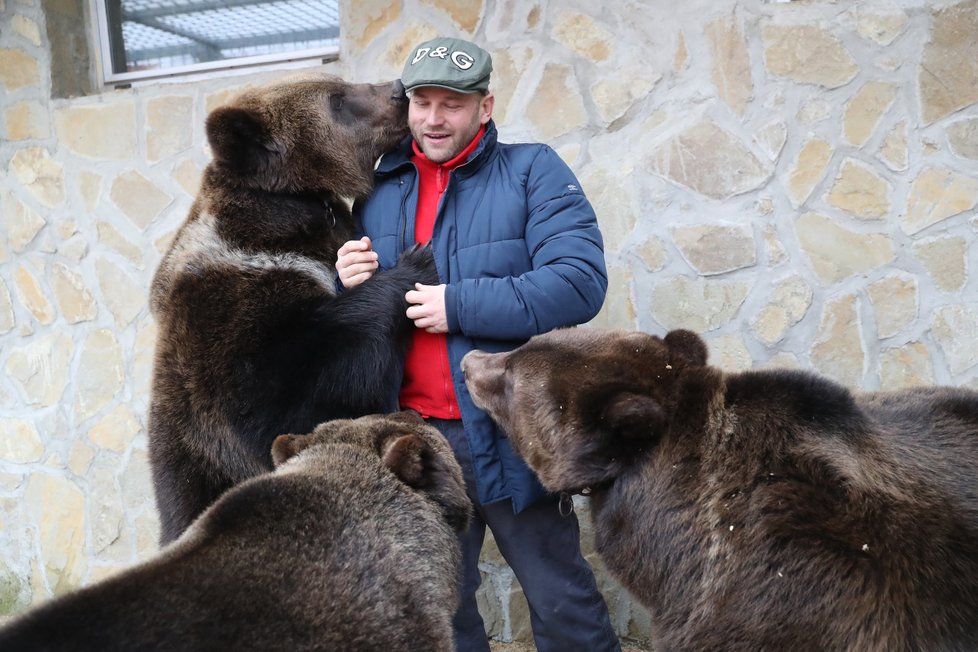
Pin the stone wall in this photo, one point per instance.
(795, 180)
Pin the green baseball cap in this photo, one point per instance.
(448, 63)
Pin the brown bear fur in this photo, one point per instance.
(254, 339)
(350, 544)
(764, 510)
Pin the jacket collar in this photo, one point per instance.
(401, 155)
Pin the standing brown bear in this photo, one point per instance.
(350, 544)
(254, 339)
(764, 510)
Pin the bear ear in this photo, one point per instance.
(686, 348)
(285, 447)
(240, 139)
(403, 456)
(634, 416)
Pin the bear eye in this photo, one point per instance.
(336, 102)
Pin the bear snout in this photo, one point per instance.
(484, 375)
(397, 92)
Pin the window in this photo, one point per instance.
(141, 39)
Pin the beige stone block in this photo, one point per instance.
(98, 131)
(58, 508)
(41, 175)
(20, 442)
(953, 327)
(894, 300)
(90, 185)
(188, 176)
(881, 25)
(858, 190)
(569, 153)
(730, 70)
(142, 358)
(697, 304)
(80, 458)
(906, 366)
(24, 26)
(716, 249)
(116, 430)
(613, 198)
(464, 13)
(937, 194)
(556, 107)
(124, 296)
(18, 69)
(729, 353)
(838, 350)
(65, 228)
(147, 536)
(110, 237)
(508, 17)
(865, 109)
(581, 34)
(100, 374)
(653, 253)
(22, 223)
(618, 310)
(771, 138)
(74, 248)
(363, 21)
(27, 121)
(808, 170)
(616, 93)
(136, 483)
(32, 296)
(962, 136)
(509, 64)
(948, 73)
(138, 198)
(105, 511)
(169, 126)
(836, 253)
(893, 151)
(7, 320)
(788, 304)
(710, 161)
(808, 54)
(945, 259)
(784, 360)
(814, 111)
(75, 301)
(776, 253)
(681, 55)
(400, 47)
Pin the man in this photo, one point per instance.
(518, 248)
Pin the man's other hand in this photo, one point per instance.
(356, 261)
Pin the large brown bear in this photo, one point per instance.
(254, 339)
(350, 544)
(764, 510)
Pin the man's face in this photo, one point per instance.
(444, 122)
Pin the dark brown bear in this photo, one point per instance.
(350, 544)
(254, 339)
(765, 510)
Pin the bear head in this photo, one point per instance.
(416, 453)
(581, 405)
(307, 133)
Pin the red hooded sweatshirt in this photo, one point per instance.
(427, 386)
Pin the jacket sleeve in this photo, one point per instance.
(567, 281)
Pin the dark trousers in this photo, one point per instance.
(543, 548)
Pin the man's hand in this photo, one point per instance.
(355, 262)
(427, 308)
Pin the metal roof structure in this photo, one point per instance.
(168, 33)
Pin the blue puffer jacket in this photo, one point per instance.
(518, 246)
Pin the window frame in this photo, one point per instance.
(108, 77)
